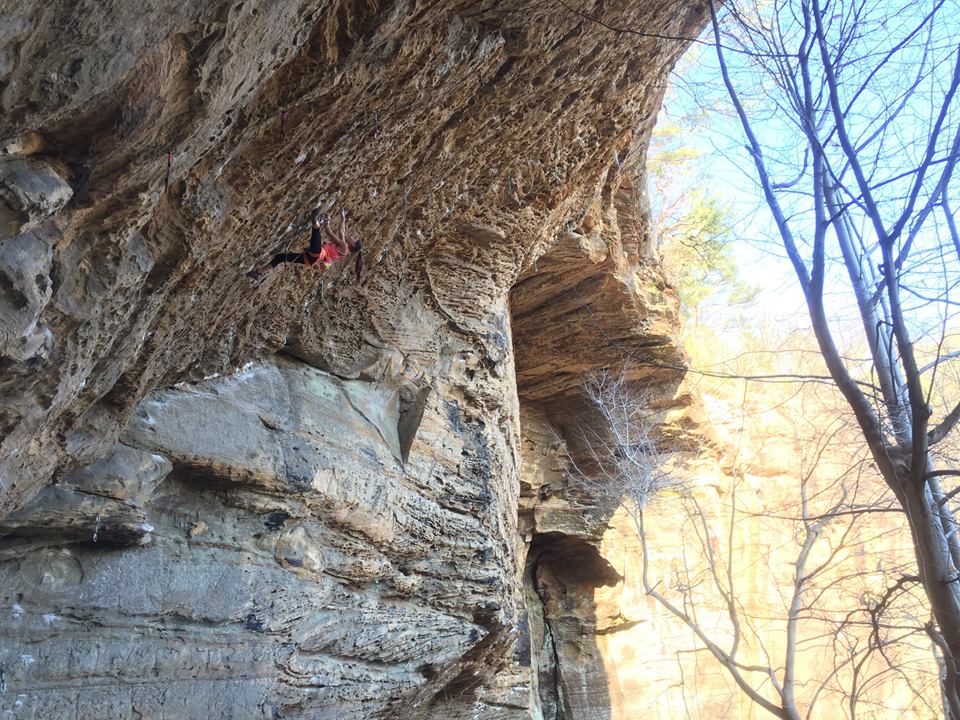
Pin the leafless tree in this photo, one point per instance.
(854, 138)
(622, 456)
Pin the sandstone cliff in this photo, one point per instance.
(303, 498)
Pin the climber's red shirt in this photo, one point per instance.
(329, 254)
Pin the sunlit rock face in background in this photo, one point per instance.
(303, 498)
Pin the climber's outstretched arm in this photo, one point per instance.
(340, 240)
(337, 240)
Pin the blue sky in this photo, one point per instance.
(728, 171)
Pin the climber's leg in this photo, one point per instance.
(259, 272)
(316, 241)
(286, 257)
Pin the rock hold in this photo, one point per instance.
(31, 190)
(25, 290)
(127, 474)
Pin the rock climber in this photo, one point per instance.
(320, 255)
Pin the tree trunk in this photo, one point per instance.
(940, 580)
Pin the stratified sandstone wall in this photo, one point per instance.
(330, 531)
(264, 551)
(586, 305)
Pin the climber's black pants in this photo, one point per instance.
(315, 245)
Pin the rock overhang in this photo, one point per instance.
(466, 141)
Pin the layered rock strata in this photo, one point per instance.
(257, 547)
(332, 530)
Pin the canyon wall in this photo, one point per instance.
(772, 510)
(316, 496)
